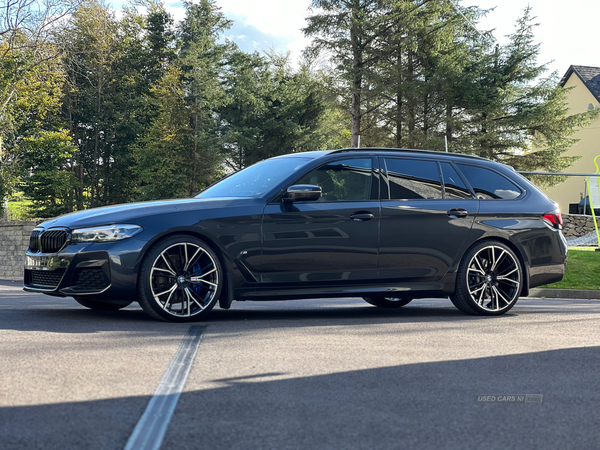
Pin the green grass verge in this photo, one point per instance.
(19, 210)
(583, 271)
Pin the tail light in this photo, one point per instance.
(554, 219)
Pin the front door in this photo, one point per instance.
(333, 239)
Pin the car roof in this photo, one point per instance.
(319, 153)
(313, 155)
(394, 151)
(407, 151)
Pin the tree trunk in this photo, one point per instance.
(411, 101)
(426, 111)
(355, 111)
(193, 177)
(448, 122)
(398, 119)
(399, 96)
(4, 197)
(357, 54)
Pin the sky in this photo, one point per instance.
(568, 30)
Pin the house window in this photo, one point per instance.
(590, 107)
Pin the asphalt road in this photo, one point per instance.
(318, 374)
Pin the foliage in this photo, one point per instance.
(162, 154)
(98, 108)
(517, 117)
(50, 183)
(274, 109)
(416, 73)
(19, 209)
(29, 74)
(201, 56)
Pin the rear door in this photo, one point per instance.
(427, 212)
(333, 239)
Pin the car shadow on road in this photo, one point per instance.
(64, 316)
(37, 312)
(421, 405)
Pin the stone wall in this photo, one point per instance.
(577, 225)
(14, 240)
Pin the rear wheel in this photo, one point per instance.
(388, 302)
(489, 280)
(180, 279)
(100, 305)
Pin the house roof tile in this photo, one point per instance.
(590, 76)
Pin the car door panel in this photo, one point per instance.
(420, 240)
(423, 233)
(335, 238)
(317, 242)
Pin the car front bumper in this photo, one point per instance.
(105, 270)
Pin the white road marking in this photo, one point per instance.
(150, 431)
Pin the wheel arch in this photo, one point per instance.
(519, 252)
(227, 291)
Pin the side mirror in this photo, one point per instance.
(303, 192)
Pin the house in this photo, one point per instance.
(584, 96)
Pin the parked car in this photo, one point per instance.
(386, 225)
(584, 207)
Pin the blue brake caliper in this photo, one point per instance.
(197, 271)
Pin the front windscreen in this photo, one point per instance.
(256, 180)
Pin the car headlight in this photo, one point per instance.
(108, 233)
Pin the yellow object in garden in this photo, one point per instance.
(594, 193)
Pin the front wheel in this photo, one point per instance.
(387, 302)
(489, 280)
(180, 279)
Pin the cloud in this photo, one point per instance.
(268, 24)
(258, 24)
(275, 17)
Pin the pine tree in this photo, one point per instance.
(162, 155)
(201, 57)
(514, 114)
(274, 109)
(352, 32)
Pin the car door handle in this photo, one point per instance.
(458, 212)
(361, 217)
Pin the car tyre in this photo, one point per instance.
(97, 305)
(180, 279)
(489, 280)
(387, 302)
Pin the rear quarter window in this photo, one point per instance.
(488, 184)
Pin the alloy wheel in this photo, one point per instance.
(184, 279)
(493, 278)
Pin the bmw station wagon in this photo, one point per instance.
(386, 225)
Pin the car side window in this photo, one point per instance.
(488, 184)
(454, 187)
(413, 179)
(343, 180)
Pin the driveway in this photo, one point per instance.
(330, 374)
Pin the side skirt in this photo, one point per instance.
(440, 288)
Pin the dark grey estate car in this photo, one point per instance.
(386, 225)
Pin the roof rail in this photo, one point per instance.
(405, 150)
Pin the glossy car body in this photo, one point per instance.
(271, 249)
